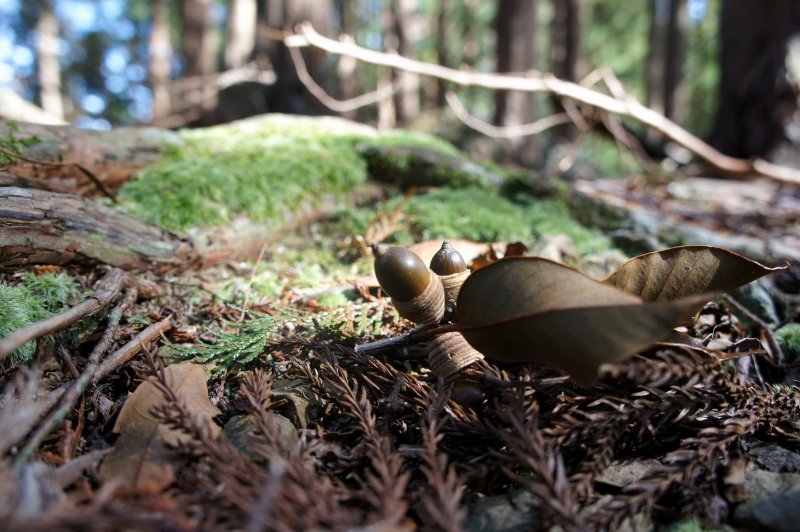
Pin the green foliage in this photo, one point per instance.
(788, 337)
(36, 298)
(14, 143)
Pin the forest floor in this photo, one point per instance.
(233, 391)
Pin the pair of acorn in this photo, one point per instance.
(426, 296)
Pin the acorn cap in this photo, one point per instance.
(448, 260)
(400, 272)
(449, 353)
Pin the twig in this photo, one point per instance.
(503, 132)
(88, 173)
(126, 352)
(340, 106)
(775, 351)
(418, 334)
(56, 416)
(548, 83)
(105, 291)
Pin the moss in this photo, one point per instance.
(36, 298)
(11, 142)
(788, 337)
(478, 214)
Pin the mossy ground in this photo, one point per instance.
(34, 299)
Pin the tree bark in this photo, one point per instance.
(43, 227)
(442, 20)
(754, 93)
(666, 58)
(160, 62)
(47, 60)
(566, 39)
(242, 25)
(112, 156)
(346, 67)
(198, 49)
(515, 26)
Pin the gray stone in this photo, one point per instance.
(620, 474)
(511, 512)
(776, 459)
(766, 491)
(244, 434)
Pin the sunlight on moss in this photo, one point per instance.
(788, 337)
(36, 298)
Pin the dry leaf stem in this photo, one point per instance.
(127, 351)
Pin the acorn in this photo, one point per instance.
(449, 265)
(449, 353)
(416, 292)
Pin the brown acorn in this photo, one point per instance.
(449, 265)
(449, 353)
(417, 293)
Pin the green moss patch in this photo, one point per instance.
(788, 337)
(36, 298)
(266, 167)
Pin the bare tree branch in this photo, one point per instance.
(547, 83)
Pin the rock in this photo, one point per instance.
(772, 500)
(245, 436)
(620, 474)
(776, 459)
(510, 512)
(302, 404)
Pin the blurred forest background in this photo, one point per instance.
(723, 70)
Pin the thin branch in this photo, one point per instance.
(503, 132)
(340, 106)
(105, 291)
(127, 351)
(548, 83)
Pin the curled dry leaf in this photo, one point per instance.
(142, 457)
(530, 309)
(685, 271)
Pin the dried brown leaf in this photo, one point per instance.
(530, 309)
(684, 271)
(143, 456)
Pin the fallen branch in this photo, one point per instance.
(547, 83)
(105, 291)
(127, 351)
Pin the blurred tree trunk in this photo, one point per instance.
(288, 95)
(515, 26)
(241, 39)
(47, 61)
(198, 49)
(442, 21)
(566, 43)
(346, 67)
(566, 40)
(160, 62)
(668, 24)
(755, 95)
(400, 24)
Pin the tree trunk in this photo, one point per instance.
(198, 49)
(442, 19)
(566, 39)
(241, 32)
(288, 95)
(755, 95)
(515, 26)
(346, 67)
(47, 60)
(160, 62)
(43, 227)
(666, 56)
(407, 98)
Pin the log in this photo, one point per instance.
(113, 156)
(46, 227)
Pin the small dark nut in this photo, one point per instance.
(448, 260)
